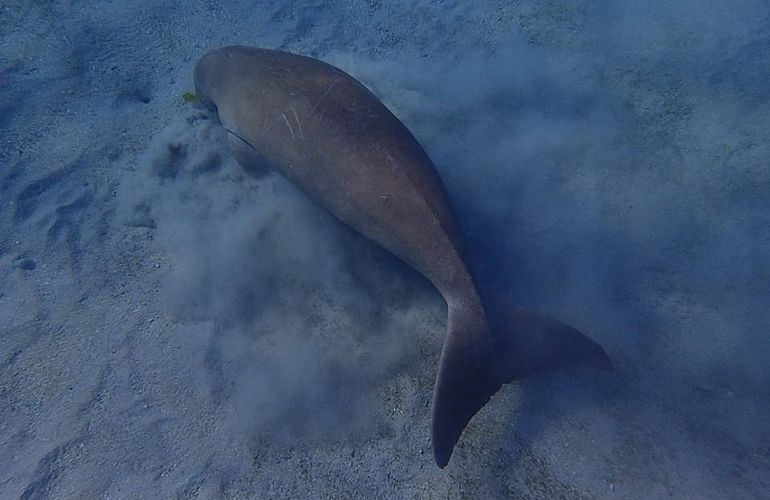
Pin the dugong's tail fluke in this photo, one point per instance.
(476, 362)
(527, 343)
(464, 383)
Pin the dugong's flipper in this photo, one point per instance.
(252, 162)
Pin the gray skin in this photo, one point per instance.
(331, 137)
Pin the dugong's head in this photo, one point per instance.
(209, 72)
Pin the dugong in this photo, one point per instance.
(332, 138)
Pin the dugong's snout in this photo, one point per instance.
(204, 77)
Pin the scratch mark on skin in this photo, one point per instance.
(299, 125)
(320, 99)
(265, 126)
(393, 163)
(291, 130)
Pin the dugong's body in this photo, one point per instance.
(335, 140)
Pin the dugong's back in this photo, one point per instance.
(329, 135)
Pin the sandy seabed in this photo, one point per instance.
(171, 328)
